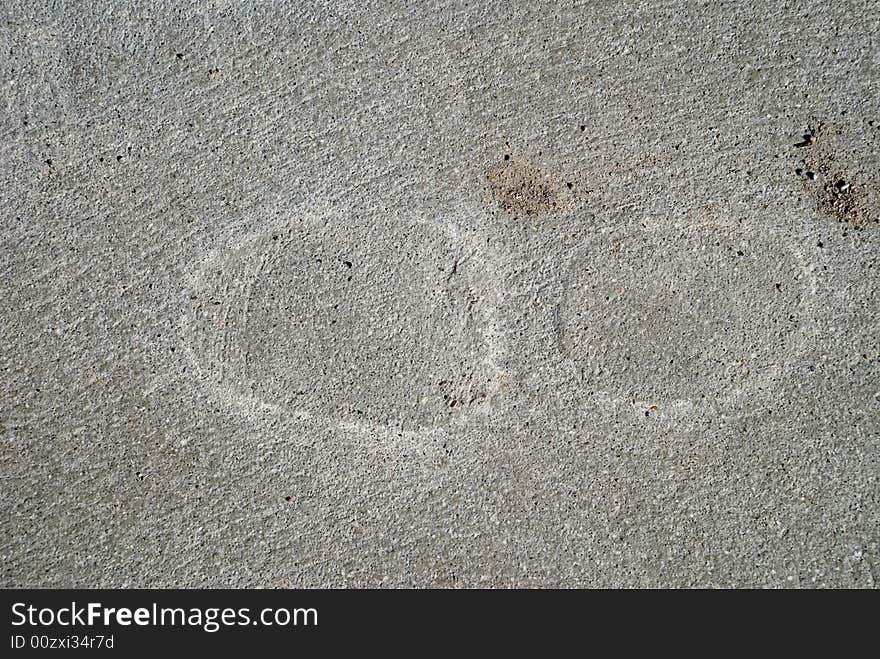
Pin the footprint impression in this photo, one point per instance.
(683, 315)
(354, 321)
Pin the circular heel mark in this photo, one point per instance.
(675, 318)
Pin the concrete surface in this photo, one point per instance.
(440, 294)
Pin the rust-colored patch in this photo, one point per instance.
(837, 194)
(848, 202)
(522, 189)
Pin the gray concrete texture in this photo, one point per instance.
(440, 294)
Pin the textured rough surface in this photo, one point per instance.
(440, 294)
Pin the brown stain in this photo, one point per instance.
(522, 189)
(848, 202)
(838, 195)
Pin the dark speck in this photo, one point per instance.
(807, 141)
